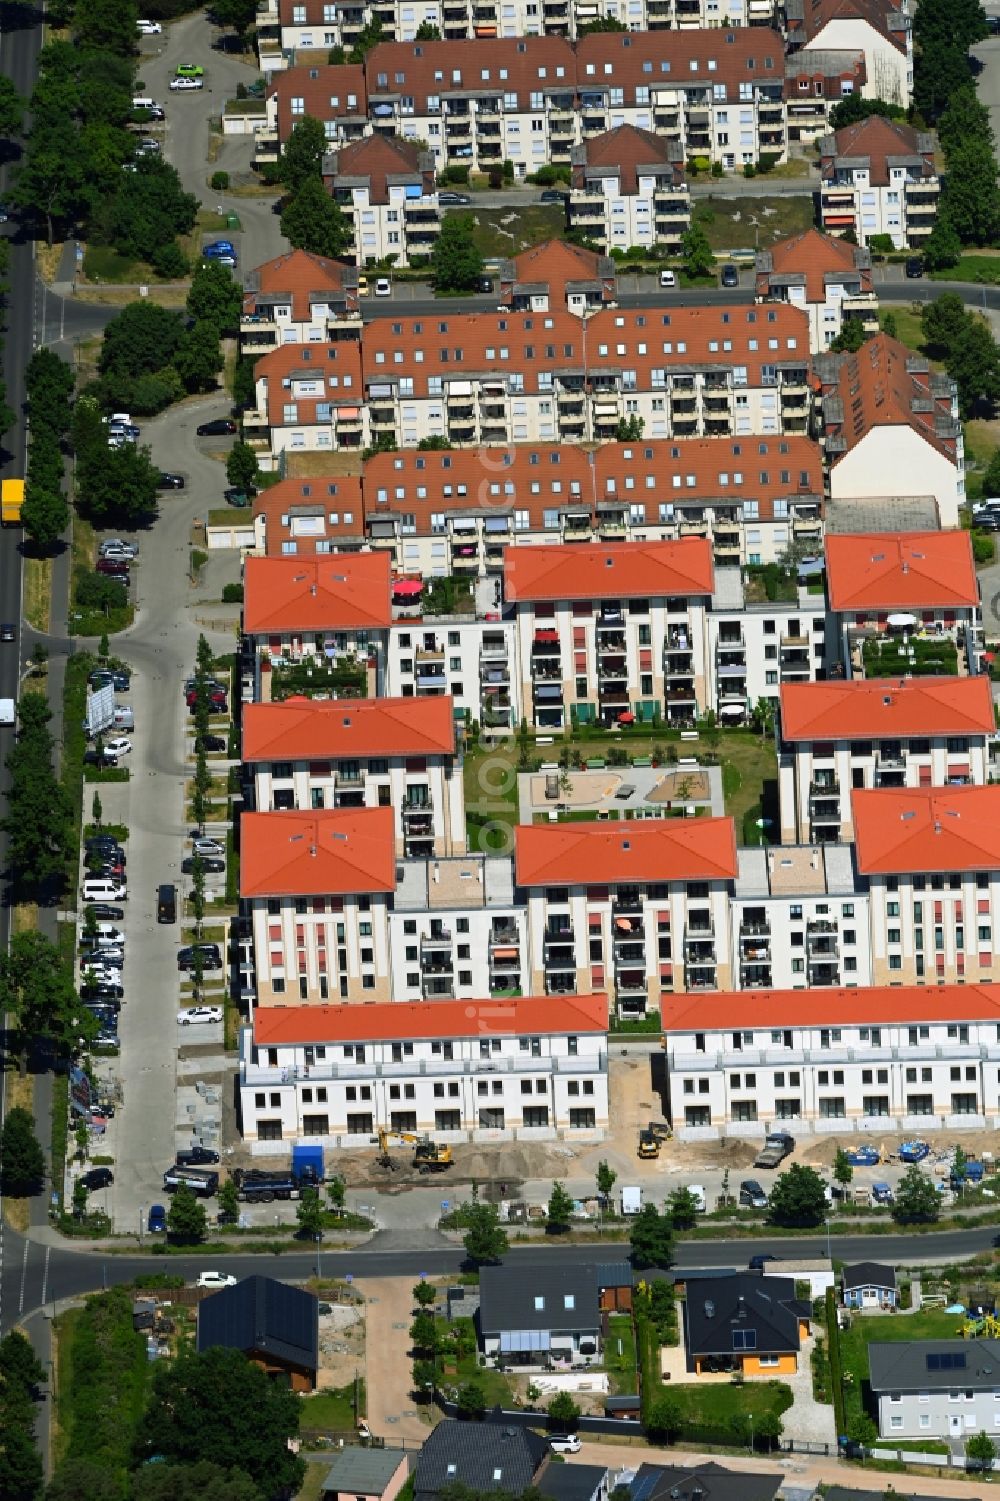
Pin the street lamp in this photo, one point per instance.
(751, 1432)
(141, 1214)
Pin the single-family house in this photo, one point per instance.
(869, 1284)
(575, 1483)
(479, 1456)
(551, 1319)
(737, 1322)
(274, 1324)
(935, 1388)
(703, 1482)
(365, 1475)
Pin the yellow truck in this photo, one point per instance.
(11, 501)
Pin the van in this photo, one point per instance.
(103, 889)
(124, 717)
(143, 101)
(166, 903)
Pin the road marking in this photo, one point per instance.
(24, 1278)
(45, 1274)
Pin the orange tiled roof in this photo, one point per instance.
(630, 149)
(338, 592)
(879, 387)
(336, 852)
(556, 262)
(330, 93)
(898, 829)
(494, 65)
(335, 366)
(877, 139)
(305, 277)
(378, 158)
(901, 570)
(715, 58)
(698, 849)
(322, 508)
(417, 1021)
(881, 708)
(724, 1011)
(815, 256)
(303, 729)
(621, 570)
(877, 13)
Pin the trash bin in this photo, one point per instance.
(232, 221)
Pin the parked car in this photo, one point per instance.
(120, 745)
(195, 1015)
(102, 677)
(104, 842)
(565, 1443)
(210, 866)
(448, 199)
(189, 70)
(167, 481)
(757, 1263)
(730, 276)
(148, 28)
(181, 85)
(8, 631)
(156, 1224)
(238, 498)
(118, 544)
(4, 213)
(185, 960)
(914, 266)
(105, 913)
(362, 286)
(216, 696)
(115, 567)
(752, 1195)
(554, 195)
(102, 990)
(195, 1156)
(97, 1177)
(219, 427)
(202, 845)
(218, 247)
(668, 279)
(383, 287)
(210, 743)
(99, 758)
(215, 1279)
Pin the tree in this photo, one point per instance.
(851, 337)
(940, 74)
(455, 261)
(485, 1238)
(664, 1421)
(36, 987)
(237, 14)
(303, 155)
(22, 1163)
(45, 516)
(20, 1463)
(855, 107)
(424, 1334)
(336, 1192)
(942, 248)
(602, 23)
(215, 1405)
(424, 1379)
(198, 359)
(889, 326)
(974, 366)
(203, 1481)
(11, 111)
(144, 337)
(917, 1201)
(241, 467)
(19, 1365)
(944, 322)
(118, 483)
(843, 1172)
(559, 1210)
(313, 221)
(981, 1448)
(683, 1208)
(424, 1294)
(215, 297)
(971, 199)
(39, 819)
(106, 25)
(861, 1429)
(768, 1429)
(797, 1198)
(606, 1176)
(368, 37)
(471, 1402)
(229, 1201)
(563, 1410)
(49, 383)
(309, 1213)
(991, 477)
(78, 1476)
(652, 1238)
(427, 32)
(186, 1217)
(697, 252)
(149, 210)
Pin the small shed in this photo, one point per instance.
(869, 1284)
(366, 1475)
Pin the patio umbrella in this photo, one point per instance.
(627, 718)
(407, 587)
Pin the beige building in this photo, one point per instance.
(879, 178)
(387, 189)
(881, 29)
(826, 277)
(299, 298)
(628, 189)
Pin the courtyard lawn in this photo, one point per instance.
(720, 1412)
(332, 1411)
(619, 1356)
(501, 232)
(930, 1323)
(745, 223)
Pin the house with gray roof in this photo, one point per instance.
(745, 1322)
(366, 1475)
(935, 1388)
(703, 1482)
(869, 1284)
(551, 1319)
(481, 1456)
(274, 1324)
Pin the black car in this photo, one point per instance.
(8, 631)
(448, 199)
(165, 481)
(103, 1014)
(730, 276)
(196, 1156)
(103, 990)
(99, 758)
(211, 958)
(219, 427)
(238, 498)
(104, 912)
(757, 1263)
(210, 864)
(97, 1177)
(210, 743)
(104, 845)
(485, 284)
(553, 195)
(987, 521)
(914, 267)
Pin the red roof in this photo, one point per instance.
(621, 570)
(334, 367)
(302, 729)
(335, 592)
(377, 158)
(495, 65)
(305, 278)
(886, 708)
(879, 14)
(323, 508)
(821, 259)
(417, 1021)
(718, 58)
(728, 1010)
(899, 829)
(884, 385)
(328, 93)
(670, 849)
(901, 571)
(340, 852)
(878, 140)
(633, 152)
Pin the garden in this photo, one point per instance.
(920, 656)
(848, 1353)
(314, 676)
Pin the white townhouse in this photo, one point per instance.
(826, 277)
(465, 657)
(879, 177)
(910, 1058)
(755, 647)
(387, 191)
(518, 1069)
(628, 189)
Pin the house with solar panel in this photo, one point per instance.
(935, 1388)
(551, 1320)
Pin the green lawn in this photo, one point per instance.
(888, 659)
(621, 1365)
(332, 1410)
(752, 222)
(982, 268)
(490, 778)
(909, 328)
(508, 231)
(721, 1405)
(926, 1324)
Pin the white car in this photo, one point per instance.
(193, 1015)
(118, 544)
(148, 28)
(215, 1279)
(383, 287)
(119, 745)
(668, 279)
(208, 847)
(565, 1443)
(179, 84)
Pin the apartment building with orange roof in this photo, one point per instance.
(362, 753)
(337, 96)
(931, 857)
(610, 630)
(837, 736)
(308, 397)
(308, 517)
(640, 909)
(879, 178)
(299, 298)
(881, 29)
(885, 1057)
(830, 279)
(628, 188)
(462, 1071)
(891, 427)
(387, 189)
(557, 276)
(318, 886)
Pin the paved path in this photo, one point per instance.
(392, 1412)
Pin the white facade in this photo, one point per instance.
(753, 649)
(405, 226)
(467, 658)
(897, 460)
(314, 950)
(654, 215)
(889, 69)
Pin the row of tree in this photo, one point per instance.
(49, 388)
(969, 208)
(965, 344)
(21, 1377)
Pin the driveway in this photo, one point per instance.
(392, 1412)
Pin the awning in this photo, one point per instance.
(349, 412)
(407, 587)
(624, 923)
(627, 718)
(546, 635)
(548, 690)
(464, 524)
(513, 1341)
(505, 953)
(901, 621)
(733, 711)
(497, 524)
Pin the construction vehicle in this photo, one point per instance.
(777, 1145)
(428, 1156)
(11, 501)
(649, 1146)
(660, 1129)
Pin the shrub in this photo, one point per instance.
(716, 169)
(220, 180)
(170, 260)
(232, 594)
(749, 170)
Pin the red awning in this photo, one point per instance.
(505, 953)
(407, 586)
(627, 718)
(546, 635)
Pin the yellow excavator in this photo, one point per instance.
(428, 1156)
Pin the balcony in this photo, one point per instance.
(822, 972)
(417, 805)
(626, 903)
(257, 333)
(437, 940)
(824, 797)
